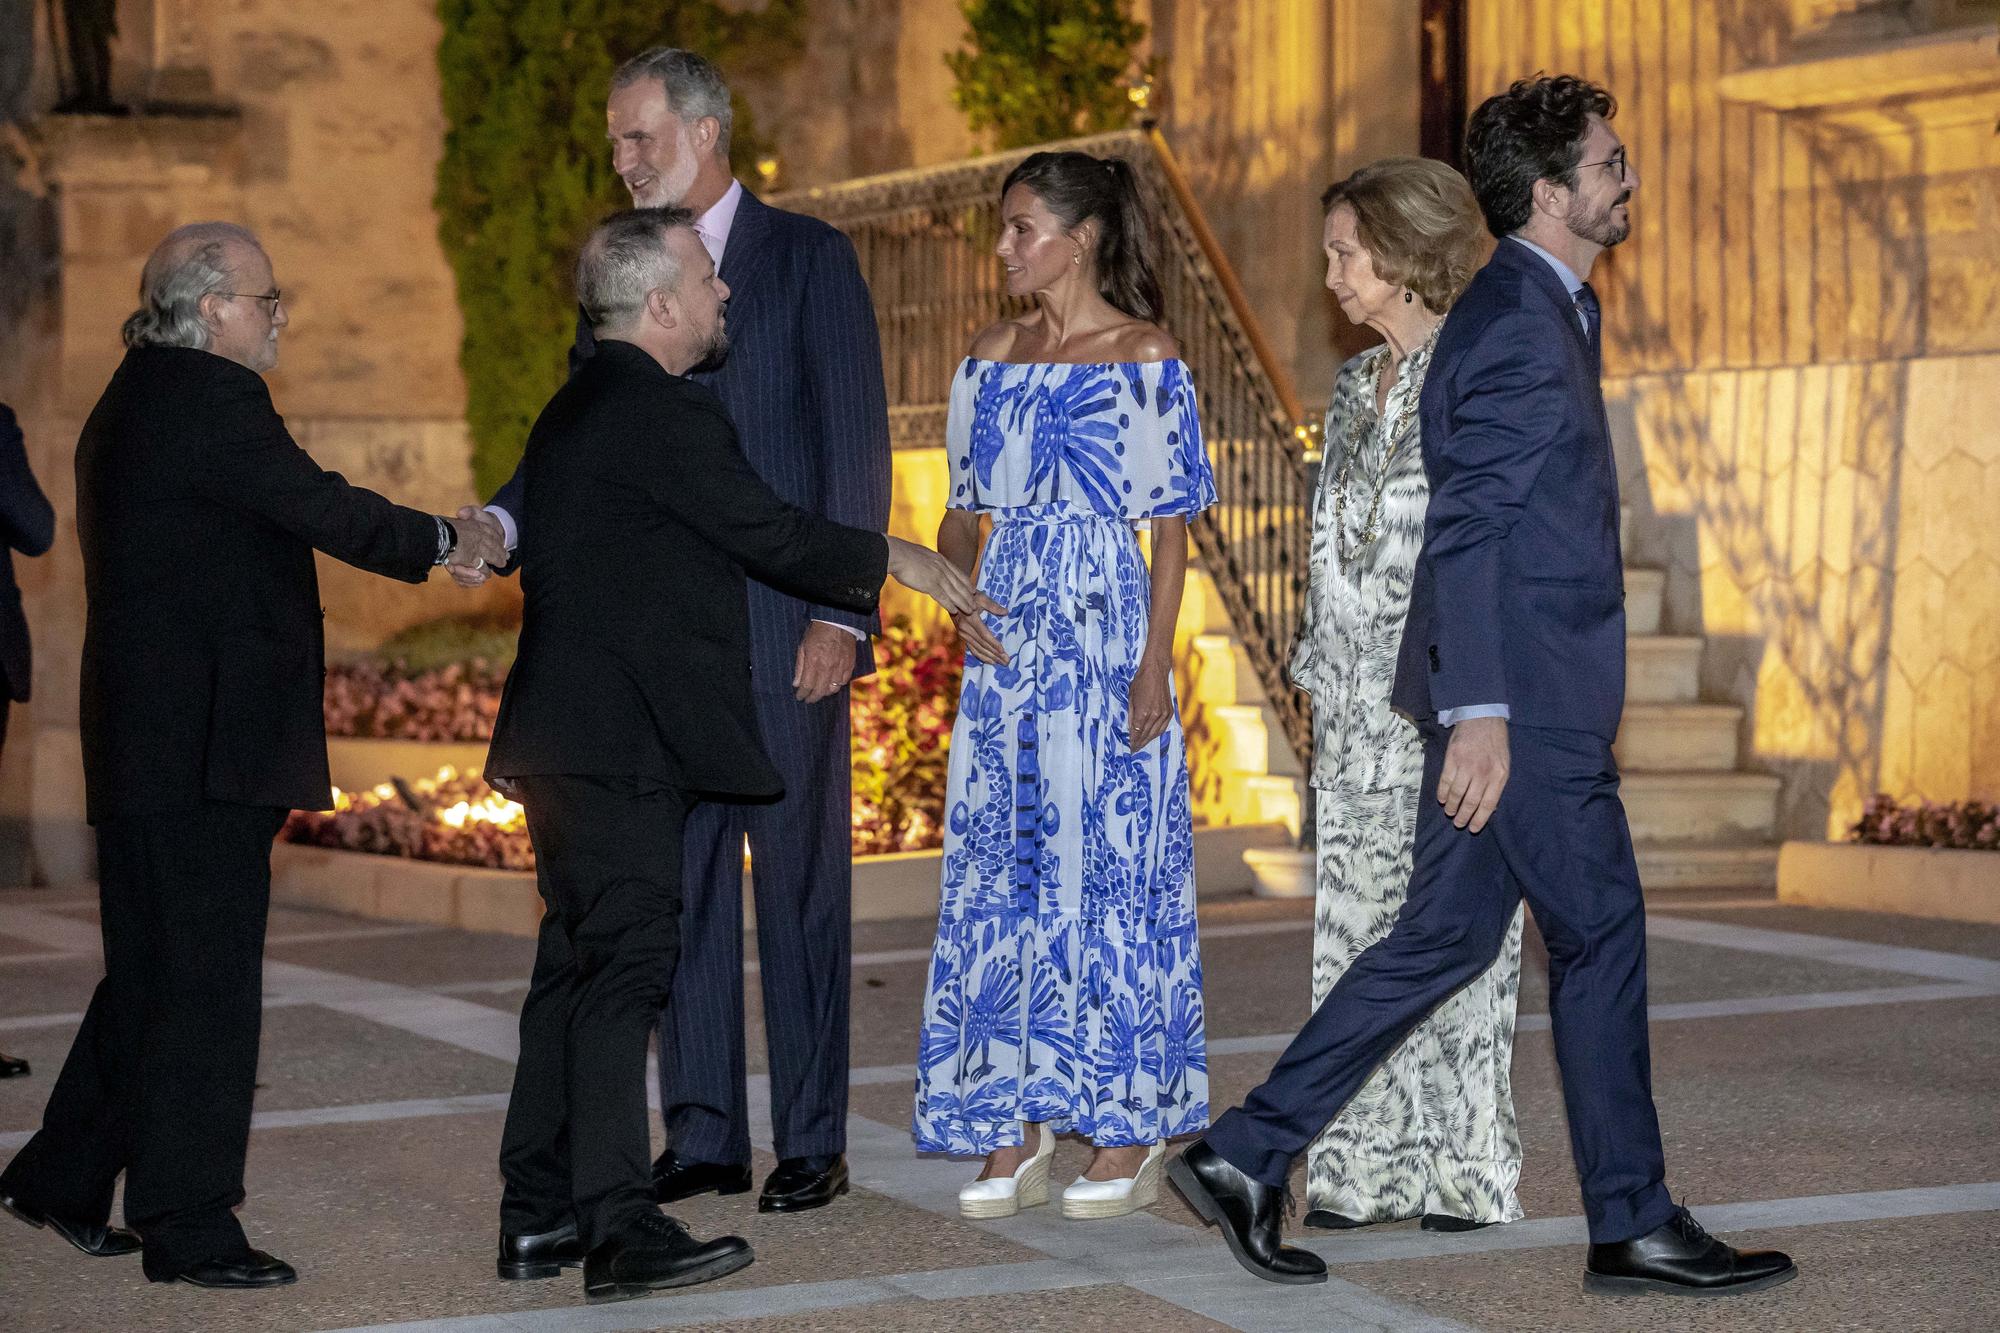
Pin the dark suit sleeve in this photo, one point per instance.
(251, 462)
(1508, 400)
(846, 397)
(512, 495)
(703, 479)
(27, 520)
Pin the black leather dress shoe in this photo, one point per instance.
(1449, 1225)
(253, 1268)
(12, 1068)
(800, 1183)
(525, 1257)
(654, 1252)
(93, 1238)
(1250, 1213)
(1681, 1258)
(675, 1179)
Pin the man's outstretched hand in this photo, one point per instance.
(923, 570)
(1475, 771)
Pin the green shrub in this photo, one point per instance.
(1046, 69)
(454, 639)
(526, 173)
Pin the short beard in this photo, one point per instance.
(713, 353)
(668, 191)
(1601, 228)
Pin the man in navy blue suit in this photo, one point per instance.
(1513, 666)
(803, 385)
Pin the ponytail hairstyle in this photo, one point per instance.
(1079, 188)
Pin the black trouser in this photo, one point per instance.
(159, 1081)
(608, 852)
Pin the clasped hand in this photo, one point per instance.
(482, 544)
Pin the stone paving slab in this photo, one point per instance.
(1910, 1275)
(1030, 1312)
(392, 1219)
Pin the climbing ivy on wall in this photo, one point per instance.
(1039, 70)
(526, 172)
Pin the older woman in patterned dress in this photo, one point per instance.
(1432, 1134)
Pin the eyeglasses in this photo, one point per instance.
(273, 297)
(1616, 162)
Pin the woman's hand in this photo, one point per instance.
(1149, 703)
(980, 641)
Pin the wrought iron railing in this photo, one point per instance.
(925, 239)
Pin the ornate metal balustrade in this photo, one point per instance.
(925, 239)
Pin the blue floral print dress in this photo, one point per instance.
(1065, 986)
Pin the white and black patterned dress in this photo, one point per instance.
(1433, 1130)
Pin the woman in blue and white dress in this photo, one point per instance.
(1065, 988)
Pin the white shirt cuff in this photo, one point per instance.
(1451, 717)
(859, 635)
(508, 531)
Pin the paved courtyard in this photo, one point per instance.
(1827, 1083)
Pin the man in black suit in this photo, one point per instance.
(27, 525)
(629, 702)
(804, 390)
(202, 726)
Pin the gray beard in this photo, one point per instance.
(713, 353)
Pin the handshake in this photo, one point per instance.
(482, 545)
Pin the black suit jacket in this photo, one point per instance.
(203, 653)
(803, 386)
(27, 525)
(641, 516)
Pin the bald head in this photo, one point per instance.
(209, 286)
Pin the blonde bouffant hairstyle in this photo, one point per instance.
(1420, 223)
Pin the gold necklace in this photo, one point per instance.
(1358, 433)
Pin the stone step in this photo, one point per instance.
(1262, 798)
(1667, 866)
(1645, 591)
(1701, 808)
(1662, 669)
(1683, 737)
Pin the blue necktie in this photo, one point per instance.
(1593, 317)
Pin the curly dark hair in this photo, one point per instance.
(1533, 131)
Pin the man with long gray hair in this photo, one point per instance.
(202, 727)
(804, 389)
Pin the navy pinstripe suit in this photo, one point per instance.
(803, 385)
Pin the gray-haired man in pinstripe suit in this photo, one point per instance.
(803, 384)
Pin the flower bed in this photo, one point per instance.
(1967, 825)
(901, 719)
(452, 817)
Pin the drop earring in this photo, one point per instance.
(1409, 297)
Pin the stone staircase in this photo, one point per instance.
(1699, 818)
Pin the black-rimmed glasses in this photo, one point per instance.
(1616, 162)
